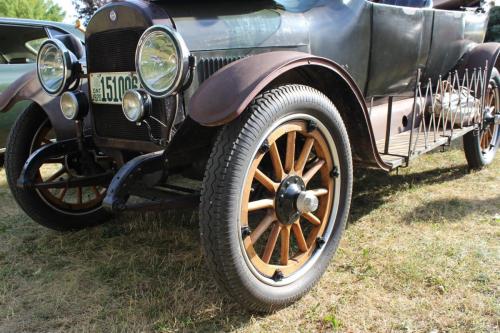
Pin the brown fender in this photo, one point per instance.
(27, 87)
(479, 56)
(224, 96)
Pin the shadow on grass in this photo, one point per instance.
(373, 187)
(453, 209)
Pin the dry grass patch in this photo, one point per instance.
(421, 253)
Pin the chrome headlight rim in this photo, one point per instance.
(69, 60)
(144, 101)
(183, 55)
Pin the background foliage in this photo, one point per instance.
(86, 8)
(493, 34)
(32, 9)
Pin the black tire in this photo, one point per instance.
(18, 150)
(235, 148)
(477, 156)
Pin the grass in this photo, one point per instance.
(421, 254)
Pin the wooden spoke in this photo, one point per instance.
(260, 204)
(319, 192)
(313, 170)
(299, 236)
(304, 154)
(271, 243)
(96, 191)
(79, 195)
(290, 151)
(276, 160)
(57, 196)
(312, 218)
(262, 227)
(62, 193)
(266, 181)
(58, 174)
(285, 245)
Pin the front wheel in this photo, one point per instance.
(276, 197)
(66, 208)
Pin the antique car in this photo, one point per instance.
(19, 43)
(257, 112)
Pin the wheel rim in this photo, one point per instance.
(489, 133)
(69, 200)
(296, 155)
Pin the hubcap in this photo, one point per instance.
(292, 200)
(307, 202)
(286, 199)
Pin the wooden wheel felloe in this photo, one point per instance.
(287, 199)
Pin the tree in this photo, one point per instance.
(493, 34)
(32, 9)
(87, 8)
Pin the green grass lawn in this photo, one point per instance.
(421, 253)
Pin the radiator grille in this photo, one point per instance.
(114, 51)
(208, 66)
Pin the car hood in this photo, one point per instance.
(237, 24)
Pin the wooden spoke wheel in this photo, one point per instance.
(51, 204)
(287, 199)
(489, 133)
(480, 149)
(276, 197)
(70, 199)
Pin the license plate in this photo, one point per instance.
(109, 88)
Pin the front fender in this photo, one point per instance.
(27, 87)
(225, 95)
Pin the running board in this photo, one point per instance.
(398, 152)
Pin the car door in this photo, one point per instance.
(401, 40)
(18, 50)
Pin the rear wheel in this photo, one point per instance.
(276, 197)
(480, 148)
(64, 208)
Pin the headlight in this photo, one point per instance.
(55, 66)
(161, 60)
(74, 105)
(136, 104)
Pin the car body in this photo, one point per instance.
(18, 57)
(270, 103)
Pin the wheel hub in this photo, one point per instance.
(307, 202)
(292, 200)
